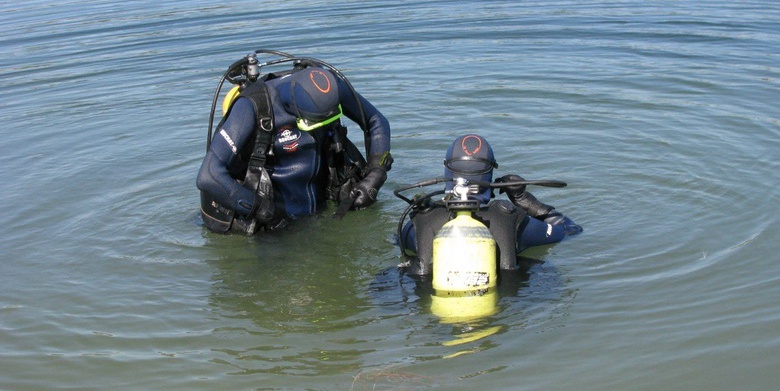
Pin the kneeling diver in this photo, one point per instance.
(516, 224)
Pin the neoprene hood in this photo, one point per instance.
(471, 157)
(314, 94)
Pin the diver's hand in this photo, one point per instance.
(511, 191)
(263, 208)
(365, 192)
(522, 198)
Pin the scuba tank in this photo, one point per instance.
(464, 252)
(465, 272)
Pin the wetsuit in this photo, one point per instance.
(296, 163)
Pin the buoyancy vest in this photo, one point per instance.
(503, 219)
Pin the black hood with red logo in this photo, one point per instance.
(471, 157)
(313, 94)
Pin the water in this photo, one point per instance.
(661, 116)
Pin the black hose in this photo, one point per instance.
(537, 182)
(424, 183)
(290, 57)
(428, 182)
(225, 76)
(412, 205)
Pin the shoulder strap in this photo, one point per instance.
(257, 178)
(427, 223)
(503, 219)
(257, 93)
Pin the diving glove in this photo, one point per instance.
(536, 208)
(263, 204)
(365, 192)
(522, 198)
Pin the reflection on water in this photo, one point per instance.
(532, 284)
(277, 289)
(324, 320)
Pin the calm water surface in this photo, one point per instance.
(661, 116)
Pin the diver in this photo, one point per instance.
(516, 224)
(281, 150)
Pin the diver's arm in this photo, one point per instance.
(378, 127)
(554, 228)
(535, 208)
(557, 219)
(408, 240)
(537, 233)
(378, 145)
(214, 177)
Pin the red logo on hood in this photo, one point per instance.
(319, 77)
(471, 145)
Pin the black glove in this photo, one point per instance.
(511, 191)
(381, 160)
(522, 198)
(365, 192)
(263, 204)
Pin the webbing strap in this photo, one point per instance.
(257, 93)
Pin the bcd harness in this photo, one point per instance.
(502, 218)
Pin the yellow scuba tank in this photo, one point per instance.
(464, 255)
(464, 270)
(229, 98)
